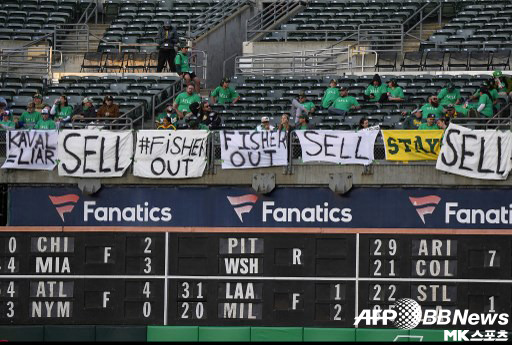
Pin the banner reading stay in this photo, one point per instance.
(412, 145)
(476, 153)
(34, 149)
(253, 149)
(94, 152)
(170, 154)
(340, 147)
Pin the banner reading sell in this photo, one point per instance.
(340, 147)
(170, 154)
(94, 152)
(476, 153)
(412, 145)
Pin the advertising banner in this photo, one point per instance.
(476, 153)
(412, 145)
(242, 207)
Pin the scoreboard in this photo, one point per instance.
(321, 280)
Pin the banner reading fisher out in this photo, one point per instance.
(94, 152)
(253, 149)
(170, 154)
(412, 145)
(476, 153)
(33, 150)
(341, 147)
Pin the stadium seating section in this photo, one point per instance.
(271, 96)
(481, 25)
(343, 17)
(30, 19)
(128, 92)
(138, 22)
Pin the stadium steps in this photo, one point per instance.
(413, 45)
(97, 30)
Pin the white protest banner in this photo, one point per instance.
(341, 147)
(94, 152)
(33, 150)
(476, 153)
(170, 154)
(253, 149)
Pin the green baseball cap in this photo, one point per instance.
(497, 73)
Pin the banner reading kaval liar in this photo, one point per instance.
(412, 145)
(170, 154)
(476, 153)
(253, 149)
(32, 150)
(341, 147)
(94, 152)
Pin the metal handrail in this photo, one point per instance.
(174, 89)
(420, 22)
(86, 17)
(102, 121)
(8, 60)
(222, 6)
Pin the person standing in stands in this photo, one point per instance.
(38, 102)
(376, 91)
(167, 40)
(413, 121)
(184, 70)
(344, 103)
(224, 94)
(449, 95)
(108, 108)
(430, 124)
(395, 93)
(86, 109)
(285, 125)
(265, 125)
(45, 122)
(301, 106)
(61, 110)
(330, 94)
(432, 107)
(6, 124)
(184, 100)
(30, 117)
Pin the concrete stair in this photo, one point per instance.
(97, 30)
(412, 44)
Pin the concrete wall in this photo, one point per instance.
(280, 47)
(222, 42)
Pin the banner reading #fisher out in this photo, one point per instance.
(407, 145)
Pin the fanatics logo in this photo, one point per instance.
(425, 205)
(64, 203)
(243, 204)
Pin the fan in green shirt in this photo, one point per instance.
(394, 92)
(432, 107)
(170, 113)
(45, 122)
(375, 90)
(61, 110)
(330, 94)
(184, 100)
(430, 124)
(449, 95)
(224, 94)
(485, 103)
(30, 117)
(183, 68)
(6, 123)
(344, 103)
